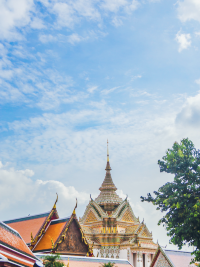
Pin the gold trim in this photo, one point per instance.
(42, 231)
(52, 244)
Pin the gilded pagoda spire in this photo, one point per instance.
(108, 197)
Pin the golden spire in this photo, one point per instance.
(107, 152)
(74, 211)
(54, 206)
(68, 262)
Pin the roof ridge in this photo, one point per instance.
(27, 217)
(59, 220)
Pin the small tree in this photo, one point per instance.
(180, 199)
(109, 264)
(52, 261)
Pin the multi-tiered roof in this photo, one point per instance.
(108, 198)
(109, 222)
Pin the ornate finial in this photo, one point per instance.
(52, 243)
(74, 211)
(54, 206)
(32, 239)
(107, 152)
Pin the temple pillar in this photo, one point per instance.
(139, 259)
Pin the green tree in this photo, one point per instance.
(109, 264)
(52, 261)
(180, 199)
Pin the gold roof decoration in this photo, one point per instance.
(108, 196)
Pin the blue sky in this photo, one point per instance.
(74, 73)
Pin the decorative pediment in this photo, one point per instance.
(127, 217)
(72, 240)
(92, 213)
(91, 217)
(145, 232)
(126, 214)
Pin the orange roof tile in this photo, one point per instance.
(26, 226)
(53, 232)
(11, 238)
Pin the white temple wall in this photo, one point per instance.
(123, 254)
(96, 252)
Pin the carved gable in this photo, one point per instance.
(73, 243)
(91, 217)
(161, 261)
(145, 233)
(127, 217)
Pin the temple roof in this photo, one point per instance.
(13, 239)
(172, 258)
(53, 232)
(27, 225)
(108, 188)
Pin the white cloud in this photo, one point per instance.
(24, 14)
(46, 38)
(116, 21)
(28, 195)
(189, 10)
(190, 113)
(37, 23)
(92, 89)
(184, 40)
(197, 81)
(74, 38)
(13, 15)
(115, 5)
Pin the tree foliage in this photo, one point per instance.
(180, 199)
(52, 261)
(109, 264)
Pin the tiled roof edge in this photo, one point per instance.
(28, 218)
(9, 229)
(19, 264)
(18, 250)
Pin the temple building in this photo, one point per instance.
(113, 230)
(46, 233)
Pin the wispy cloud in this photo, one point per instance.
(92, 89)
(46, 38)
(108, 91)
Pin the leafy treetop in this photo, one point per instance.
(180, 199)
